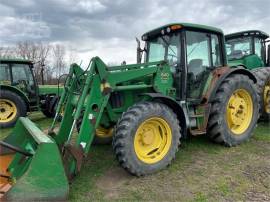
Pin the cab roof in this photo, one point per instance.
(14, 60)
(258, 33)
(157, 31)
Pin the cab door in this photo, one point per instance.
(203, 54)
(22, 77)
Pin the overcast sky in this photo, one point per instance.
(108, 28)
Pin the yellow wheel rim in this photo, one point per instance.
(266, 97)
(239, 111)
(152, 140)
(104, 132)
(8, 110)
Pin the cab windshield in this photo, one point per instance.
(238, 47)
(164, 48)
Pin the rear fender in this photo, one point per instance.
(233, 70)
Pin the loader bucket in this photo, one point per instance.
(31, 167)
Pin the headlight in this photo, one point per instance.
(162, 32)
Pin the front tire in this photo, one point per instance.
(235, 111)
(49, 106)
(12, 106)
(146, 138)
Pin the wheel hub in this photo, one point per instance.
(239, 111)
(148, 137)
(267, 98)
(8, 110)
(152, 140)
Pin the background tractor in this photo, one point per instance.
(19, 92)
(183, 88)
(249, 49)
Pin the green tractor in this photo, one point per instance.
(184, 87)
(249, 49)
(19, 92)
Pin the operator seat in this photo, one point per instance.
(236, 54)
(194, 68)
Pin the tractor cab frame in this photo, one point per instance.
(192, 51)
(248, 48)
(18, 76)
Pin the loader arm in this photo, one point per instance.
(36, 166)
(87, 93)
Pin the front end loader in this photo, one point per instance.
(183, 88)
(34, 159)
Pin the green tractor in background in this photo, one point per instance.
(184, 87)
(20, 93)
(249, 49)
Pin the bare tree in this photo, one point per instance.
(36, 52)
(27, 50)
(59, 64)
(43, 54)
(6, 51)
(73, 57)
(49, 60)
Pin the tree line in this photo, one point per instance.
(50, 60)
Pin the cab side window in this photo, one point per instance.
(216, 54)
(22, 72)
(198, 56)
(258, 47)
(4, 72)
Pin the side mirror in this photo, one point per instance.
(139, 51)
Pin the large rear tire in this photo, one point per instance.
(12, 106)
(146, 138)
(263, 90)
(235, 110)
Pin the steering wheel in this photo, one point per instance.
(26, 85)
(246, 51)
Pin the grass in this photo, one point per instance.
(202, 171)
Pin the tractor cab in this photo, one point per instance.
(191, 50)
(247, 48)
(17, 75)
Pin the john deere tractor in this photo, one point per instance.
(184, 87)
(249, 49)
(19, 92)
